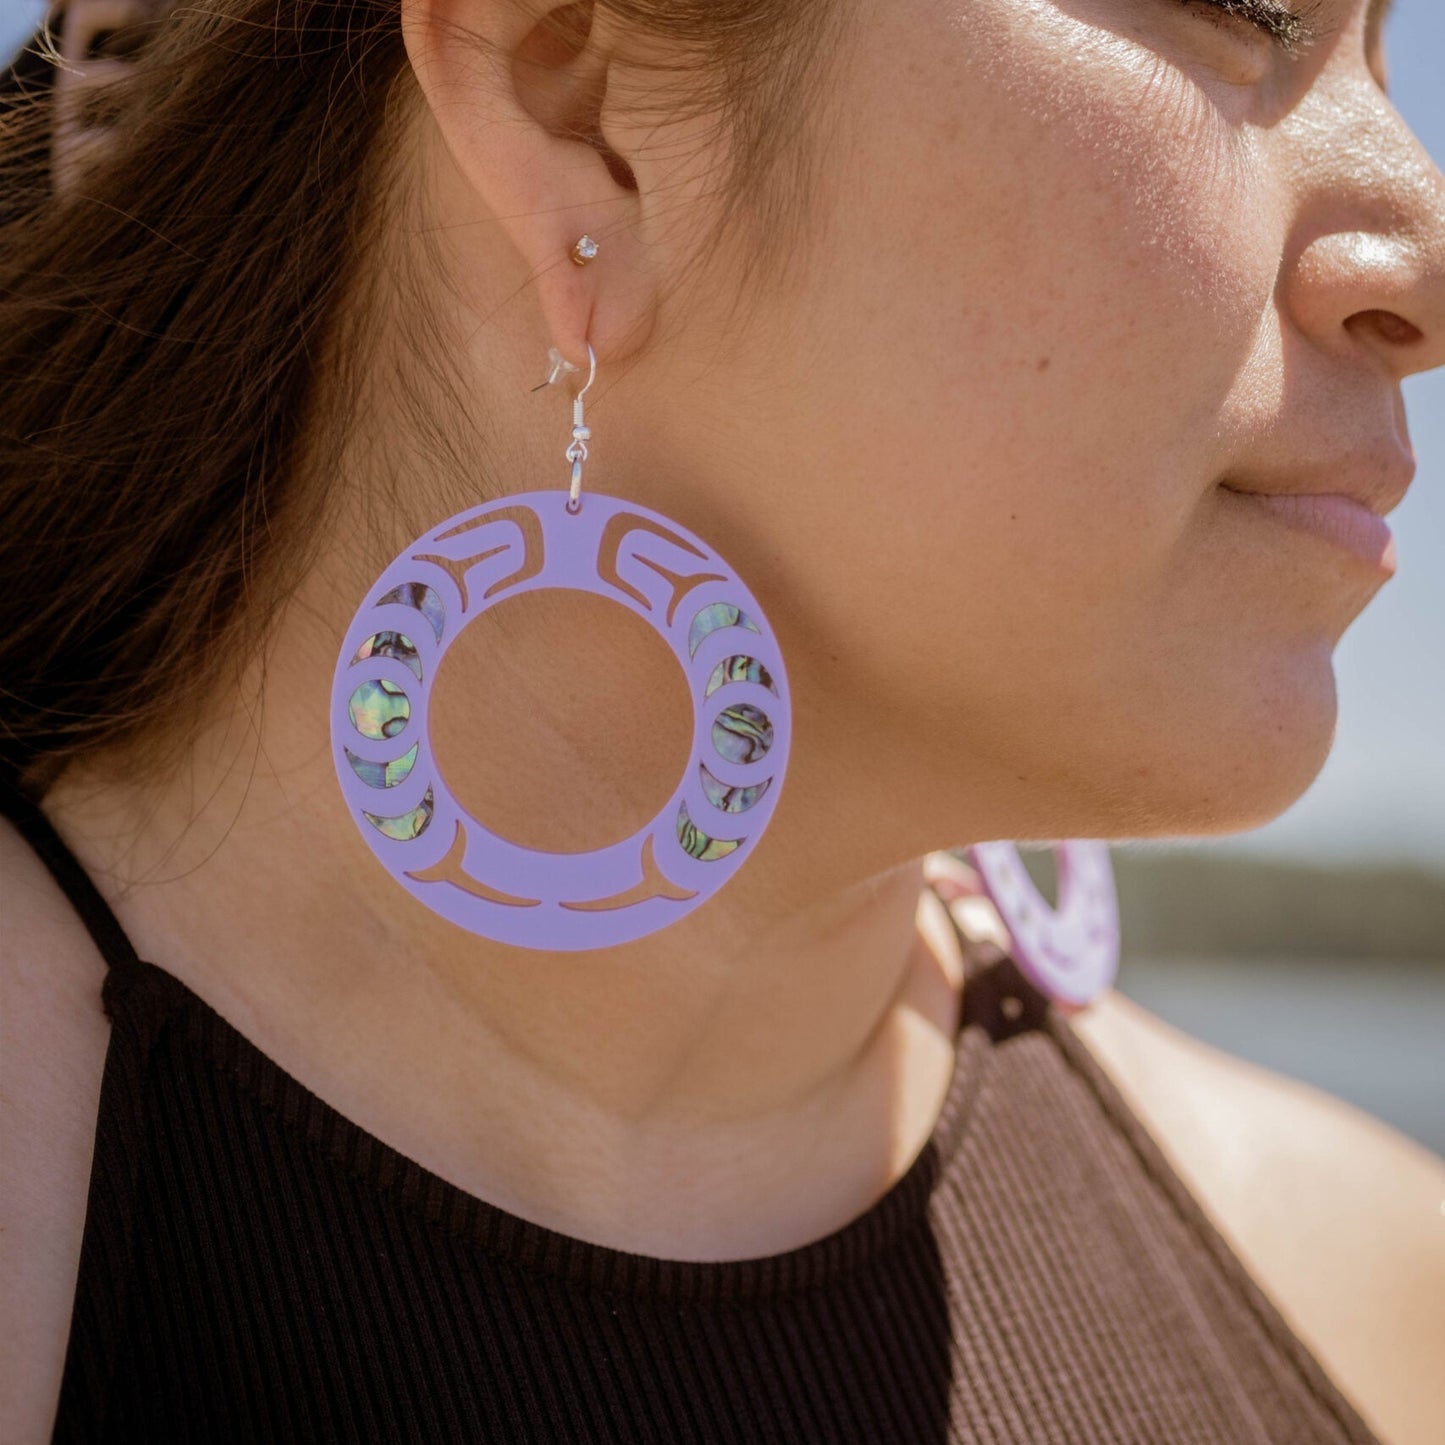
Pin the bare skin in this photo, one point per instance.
(1075, 263)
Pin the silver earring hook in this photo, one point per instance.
(581, 432)
(591, 369)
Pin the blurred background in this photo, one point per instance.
(1315, 945)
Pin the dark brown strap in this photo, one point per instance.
(102, 924)
(997, 994)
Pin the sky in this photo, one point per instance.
(1381, 795)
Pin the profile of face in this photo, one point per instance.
(1095, 262)
(1076, 274)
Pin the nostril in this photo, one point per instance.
(1390, 325)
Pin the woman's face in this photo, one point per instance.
(1081, 264)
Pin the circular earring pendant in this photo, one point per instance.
(448, 859)
(1070, 952)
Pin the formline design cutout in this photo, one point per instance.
(449, 859)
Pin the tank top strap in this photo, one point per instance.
(95, 913)
(998, 995)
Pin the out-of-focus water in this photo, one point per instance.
(1370, 1033)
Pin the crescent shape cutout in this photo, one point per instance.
(700, 845)
(424, 598)
(390, 644)
(387, 774)
(405, 826)
(714, 616)
(739, 668)
(727, 798)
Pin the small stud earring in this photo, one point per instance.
(584, 250)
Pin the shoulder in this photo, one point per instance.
(53, 1037)
(1338, 1217)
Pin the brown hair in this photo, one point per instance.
(167, 317)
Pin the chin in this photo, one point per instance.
(1213, 759)
(1257, 761)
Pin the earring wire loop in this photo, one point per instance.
(581, 432)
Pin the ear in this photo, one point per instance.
(517, 88)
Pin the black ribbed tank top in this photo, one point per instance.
(257, 1267)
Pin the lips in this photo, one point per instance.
(1371, 471)
(1346, 521)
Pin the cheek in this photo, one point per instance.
(1053, 259)
(1064, 267)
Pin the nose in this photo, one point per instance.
(1366, 265)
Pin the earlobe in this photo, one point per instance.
(515, 89)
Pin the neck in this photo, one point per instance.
(804, 1015)
(659, 1096)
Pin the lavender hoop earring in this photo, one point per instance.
(523, 542)
(1070, 952)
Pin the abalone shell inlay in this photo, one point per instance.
(379, 708)
(390, 644)
(424, 599)
(700, 845)
(387, 774)
(714, 616)
(405, 826)
(742, 733)
(738, 669)
(730, 799)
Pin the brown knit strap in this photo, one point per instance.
(100, 921)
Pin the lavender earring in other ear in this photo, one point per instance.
(1070, 952)
(584, 250)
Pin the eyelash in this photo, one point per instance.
(1289, 28)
